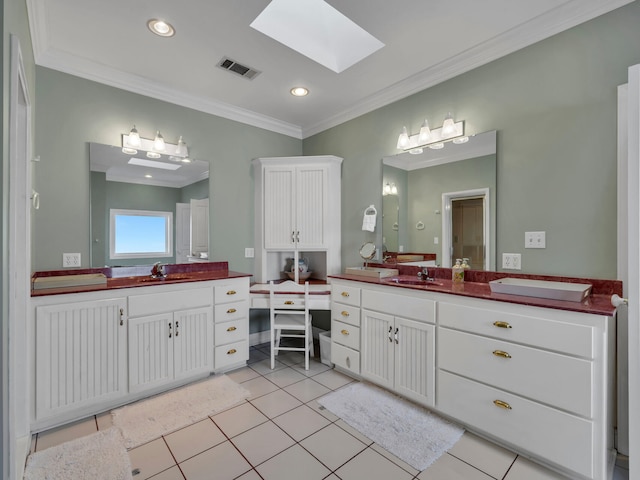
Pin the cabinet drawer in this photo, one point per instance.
(556, 436)
(345, 358)
(230, 311)
(557, 380)
(154, 303)
(346, 335)
(346, 314)
(230, 332)
(400, 305)
(231, 291)
(227, 355)
(345, 294)
(535, 331)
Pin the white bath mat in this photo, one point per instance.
(149, 419)
(410, 432)
(99, 456)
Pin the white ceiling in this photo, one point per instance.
(426, 42)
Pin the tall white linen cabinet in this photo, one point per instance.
(297, 215)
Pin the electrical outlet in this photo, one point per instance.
(535, 240)
(248, 253)
(511, 261)
(71, 260)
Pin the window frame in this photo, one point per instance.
(168, 216)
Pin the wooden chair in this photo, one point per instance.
(290, 318)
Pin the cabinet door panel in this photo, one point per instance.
(193, 342)
(376, 355)
(80, 355)
(278, 207)
(415, 360)
(311, 209)
(150, 351)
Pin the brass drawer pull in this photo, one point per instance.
(344, 313)
(502, 324)
(232, 310)
(289, 302)
(231, 329)
(345, 332)
(500, 353)
(232, 351)
(231, 292)
(345, 294)
(501, 404)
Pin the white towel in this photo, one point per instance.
(369, 219)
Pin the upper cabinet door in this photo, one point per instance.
(311, 206)
(279, 213)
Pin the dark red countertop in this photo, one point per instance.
(139, 276)
(476, 285)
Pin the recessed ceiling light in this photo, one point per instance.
(153, 155)
(161, 28)
(299, 92)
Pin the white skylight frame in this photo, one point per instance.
(318, 31)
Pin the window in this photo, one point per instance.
(140, 234)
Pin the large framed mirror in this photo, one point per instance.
(443, 202)
(147, 210)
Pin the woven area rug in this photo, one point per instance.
(99, 456)
(410, 432)
(149, 419)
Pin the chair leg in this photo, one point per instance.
(271, 350)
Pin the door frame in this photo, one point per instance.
(447, 222)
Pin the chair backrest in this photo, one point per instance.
(288, 297)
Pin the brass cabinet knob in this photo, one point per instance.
(232, 351)
(501, 404)
(232, 310)
(345, 294)
(500, 353)
(231, 329)
(231, 292)
(344, 313)
(502, 324)
(345, 332)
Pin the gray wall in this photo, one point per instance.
(554, 107)
(71, 112)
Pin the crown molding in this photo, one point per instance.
(565, 16)
(544, 26)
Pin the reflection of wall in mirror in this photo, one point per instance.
(106, 195)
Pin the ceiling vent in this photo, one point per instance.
(235, 67)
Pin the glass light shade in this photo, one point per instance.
(181, 148)
(158, 142)
(448, 127)
(403, 139)
(387, 189)
(134, 138)
(425, 133)
(394, 189)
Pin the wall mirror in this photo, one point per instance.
(443, 202)
(146, 210)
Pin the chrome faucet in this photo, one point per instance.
(424, 275)
(158, 270)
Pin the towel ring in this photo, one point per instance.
(371, 210)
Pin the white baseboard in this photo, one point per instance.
(23, 448)
(258, 338)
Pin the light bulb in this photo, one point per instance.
(181, 148)
(158, 142)
(134, 138)
(425, 133)
(387, 189)
(403, 139)
(448, 127)
(394, 189)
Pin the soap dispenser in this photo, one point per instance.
(465, 263)
(457, 272)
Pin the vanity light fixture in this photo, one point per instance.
(156, 147)
(450, 131)
(161, 28)
(390, 189)
(299, 91)
(134, 137)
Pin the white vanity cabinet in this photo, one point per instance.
(297, 213)
(536, 379)
(80, 354)
(170, 337)
(345, 327)
(398, 343)
(231, 317)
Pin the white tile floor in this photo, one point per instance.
(282, 433)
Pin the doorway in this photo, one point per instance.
(465, 228)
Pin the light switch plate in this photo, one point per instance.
(248, 253)
(511, 261)
(535, 240)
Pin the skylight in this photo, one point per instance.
(318, 31)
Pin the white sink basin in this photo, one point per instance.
(572, 292)
(375, 272)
